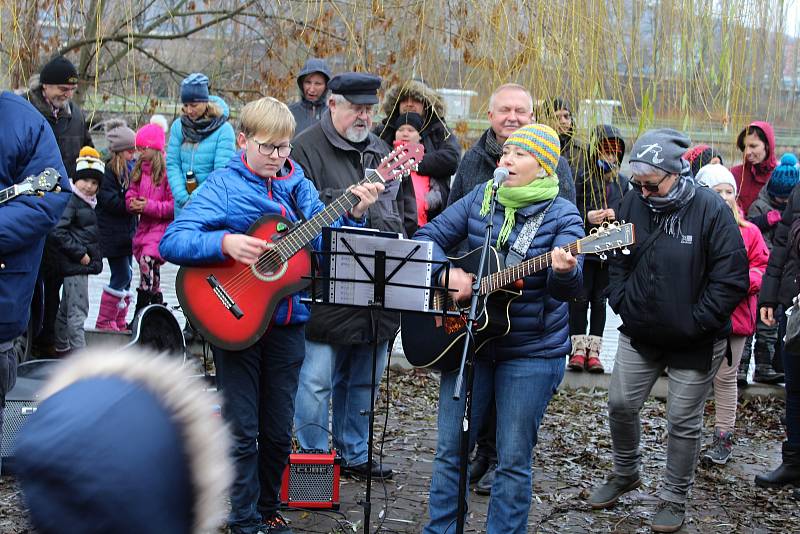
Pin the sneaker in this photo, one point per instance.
(484, 485)
(669, 517)
(721, 448)
(275, 525)
(614, 487)
(380, 472)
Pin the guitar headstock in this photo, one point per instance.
(400, 161)
(609, 236)
(44, 182)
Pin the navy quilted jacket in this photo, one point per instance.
(539, 318)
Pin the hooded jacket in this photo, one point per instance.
(333, 165)
(540, 317)
(77, 234)
(233, 200)
(442, 149)
(158, 213)
(307, 113)
(27, 147)
(750, 179)
(211, 153)
(596, 189)
(125, 443)
(117, 226)
(743, 319)
(676, 296)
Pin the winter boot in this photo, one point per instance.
(786, 473)
(143, 299)
(577, 360)
(109, 302)
(744, 363)
(122, 312)
(593, 364)
(157, 298)
(765, 374)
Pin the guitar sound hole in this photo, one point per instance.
(270, 267)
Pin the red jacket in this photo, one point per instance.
(751, 178)
(744, 316)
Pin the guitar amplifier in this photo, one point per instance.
(311, 480)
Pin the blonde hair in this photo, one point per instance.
(158, 166)
(269, 116)
(737, 215)
(213, 110)
(119, 166)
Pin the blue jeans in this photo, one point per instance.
(259, 385)
(522, 388)
(121, 273)
(339, 374)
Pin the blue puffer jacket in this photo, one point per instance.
(230, 202)
(211, 153)
(540, 317)
(27, 147)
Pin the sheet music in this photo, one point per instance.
(345, 267)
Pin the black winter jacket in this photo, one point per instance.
(333, 165)
(677, 300)
(779, 285)
(70, 128)
(117, 226)
(76, 234)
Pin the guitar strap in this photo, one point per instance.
(522, 243)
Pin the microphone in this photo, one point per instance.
(500, 176)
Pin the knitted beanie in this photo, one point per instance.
(59, 71)
(541, 141)
(662, 148)
(784, 177)
(194, 88)
(411, 118)
(89, 166)
(119, 136)
(715, 174)
(150, 136)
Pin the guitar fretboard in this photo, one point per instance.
(525, 268)
(7, 194)
(306, 232)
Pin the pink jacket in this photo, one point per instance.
(744, 316)
(158, 213)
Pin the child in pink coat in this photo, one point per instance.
(743, 319)
(150, 197)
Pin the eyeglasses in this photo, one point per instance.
(268, 149)
(651, 188)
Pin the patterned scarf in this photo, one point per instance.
(196, 131)
(667, 209)
(493, 147)
(513, 198)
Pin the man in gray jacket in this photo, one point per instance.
(335, 154)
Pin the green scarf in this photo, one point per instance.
(513, 198)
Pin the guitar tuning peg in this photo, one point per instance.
(603, 256)
(626, 251)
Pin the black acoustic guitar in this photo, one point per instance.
(437, 341)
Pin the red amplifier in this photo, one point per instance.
(311, 480)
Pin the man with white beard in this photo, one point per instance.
(336, 153)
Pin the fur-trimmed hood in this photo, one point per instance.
(418, 91)
(124, 442)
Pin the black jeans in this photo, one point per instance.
(259, 385)
(595, 284)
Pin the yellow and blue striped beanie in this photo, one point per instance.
(541, 141)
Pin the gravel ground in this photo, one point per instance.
(572, 455)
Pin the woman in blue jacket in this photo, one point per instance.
(523, 368)
(258, 383)
(200, 141)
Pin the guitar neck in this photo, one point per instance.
(8, 193)
(309, 230)
(525, 268)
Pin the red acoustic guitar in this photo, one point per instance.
(232, 304)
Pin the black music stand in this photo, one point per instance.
(379, 279)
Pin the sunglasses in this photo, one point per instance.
(650, 188)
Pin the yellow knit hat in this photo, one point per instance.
(541, 141)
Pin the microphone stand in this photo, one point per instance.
(468, 362)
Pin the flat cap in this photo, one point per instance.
(356, 87)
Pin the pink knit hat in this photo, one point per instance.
(150, 136)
